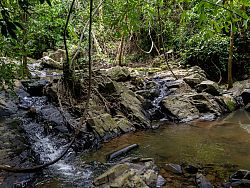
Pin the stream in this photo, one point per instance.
(223, 141)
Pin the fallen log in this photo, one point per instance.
(121, 152)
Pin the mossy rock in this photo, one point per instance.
(230, 102)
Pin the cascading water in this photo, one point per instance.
(48, 147)
(155, 111)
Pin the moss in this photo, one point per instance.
(231, 105)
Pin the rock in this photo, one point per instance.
(149, 94)
(150, 178)
(127, 175)
(132, 107)
(103, 125)
(160, 182)
(194, 79)
(208, 86)
(230, 102)
(202, 182)
(111, 174)
(245, 96)
(180, 107)
(54, 118)
(47, 62)
(175, 84)
(35, 87)
(196, 70)
(241, 178)
(247, 107)
(124, 125)
(119, 73)
(7, 107)
(111, 87)
(59, 55)
(206, 103)
(175, 168)
(191, 169)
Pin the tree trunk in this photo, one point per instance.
(68, 74)
(25, 70)
(230, 59)
(120, 51)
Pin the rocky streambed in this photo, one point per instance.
(123, 101)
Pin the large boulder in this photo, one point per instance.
(208, 86)
(246, 96)
(132, 108)
(207, 103)
(194, 79)
(106, 127)
(118, 73)
(47, 62)
(180, 107)
(141, 175)
(35, 87)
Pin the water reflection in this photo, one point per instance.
(226, 140)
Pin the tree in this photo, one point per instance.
(226, 17)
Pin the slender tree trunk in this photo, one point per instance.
(230, 59)
(68, 74)
(120, 51)
(25, 70)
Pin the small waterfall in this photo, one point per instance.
(155, 111)
(48, 147)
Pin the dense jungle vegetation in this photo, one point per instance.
(212, 34)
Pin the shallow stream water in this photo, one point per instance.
(223, 141)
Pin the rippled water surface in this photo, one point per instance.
(222, 141)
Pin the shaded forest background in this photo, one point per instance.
(129, 32)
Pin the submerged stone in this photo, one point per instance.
(175, 168)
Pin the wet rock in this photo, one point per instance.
(175, 168)
(104, 125)
(160, 181)
(47, 62)
(149, 94)
(191, 169)
(124, 125)
(247, 107)
(132, 107)
(180, 107)
(7, 107)
(208, 86)
(119, 73)
(194, 79)
(230, 102)
(35, 87)
(112, 173)
(53, 117)
(206, 103)
(245, 96)
(128, 175)
(202, 182)
(174, 84)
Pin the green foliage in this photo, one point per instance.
(8, 72)
(206, 51)
(9, 10)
